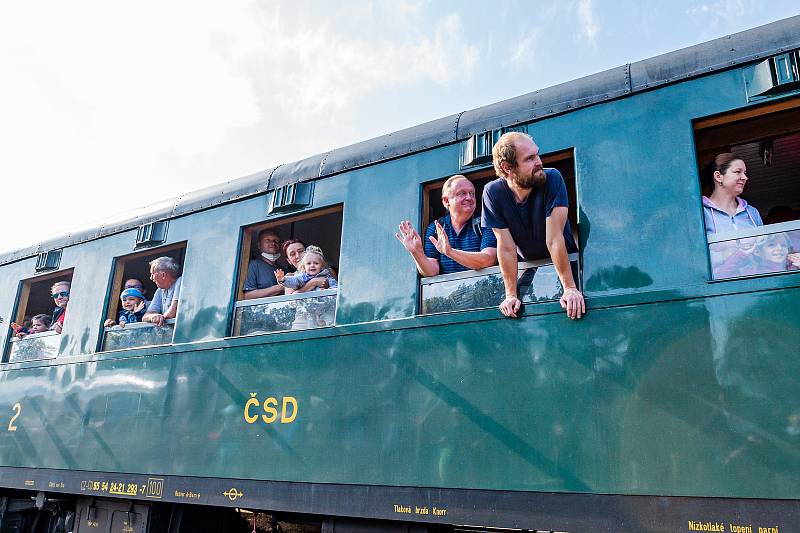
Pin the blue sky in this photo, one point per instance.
(108, 106)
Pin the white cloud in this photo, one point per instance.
(722, 14)
(319, 69)
(589, 27)
(524, 52)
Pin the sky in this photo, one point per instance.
(109, 106)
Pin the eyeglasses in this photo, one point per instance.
(462, 194)
(62, 294)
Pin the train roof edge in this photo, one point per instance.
(719, 54)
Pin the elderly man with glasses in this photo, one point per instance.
(454, 242)
(260, 281)
(165, 273)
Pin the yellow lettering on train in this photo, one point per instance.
(287, 412)
(271, 411)
(252, 402)
(286, 401)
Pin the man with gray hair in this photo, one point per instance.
(454, 242)
(165, 273)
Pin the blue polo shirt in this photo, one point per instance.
(466, 241)
(526, 221)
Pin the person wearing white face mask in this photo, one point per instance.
(260, 281)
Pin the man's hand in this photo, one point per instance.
(572, 301)
(510, 306)
(57, 327)
(409, 237)
(441, 242)
(157, 319)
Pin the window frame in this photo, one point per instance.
(21, 302)
(486, 172)
(247, 233)
(112, 302)
(731, 118)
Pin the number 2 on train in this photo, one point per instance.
(17, 410)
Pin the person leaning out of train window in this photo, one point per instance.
(260, 281)
(724, 211)
(455, 242)
(137, 284)
(60, 293)
(39, 324)
(164, 272)
(133, 308)
(527, 208)
(293, 251)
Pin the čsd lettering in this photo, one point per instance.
(269, 408)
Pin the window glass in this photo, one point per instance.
(749, 168)
(476, 289)
(41, 313)
(289, 274)
(132, 295)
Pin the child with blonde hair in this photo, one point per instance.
(312, 265)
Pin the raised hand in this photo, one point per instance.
(409, 237)
(441, 242)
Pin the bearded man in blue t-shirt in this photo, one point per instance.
(527, 207)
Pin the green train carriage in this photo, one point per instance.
(412, 404)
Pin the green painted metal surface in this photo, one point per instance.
(670, 385)
(653, 399)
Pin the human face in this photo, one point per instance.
(460, 200)
(734, 179)
(529, 171)
(294, 253)
(134, 284)
(269, 243)
(775, 250)
(313, 264)
(129, 303)
(160, 278)
(61, 295)
(37, 326)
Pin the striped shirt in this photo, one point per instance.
(467, 241)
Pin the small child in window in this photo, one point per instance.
(312, 265)
(39, 324)
(133, 308)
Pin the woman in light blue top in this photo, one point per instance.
(724, 211)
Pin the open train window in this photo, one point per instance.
(752, 225)
(123, 327)
(475, 289)
(41, 312)
(306, 297)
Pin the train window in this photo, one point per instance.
(304, 300)
(41, 311)
(752, 224)
(475, 289)
(123, 327)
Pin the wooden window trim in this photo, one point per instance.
(253, 229)
(25, 292)
(119, 270)
(752, 112)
